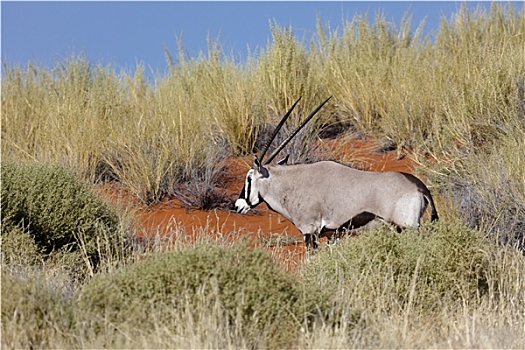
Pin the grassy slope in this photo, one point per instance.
(458, 102)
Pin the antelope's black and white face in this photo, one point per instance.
(249, 196)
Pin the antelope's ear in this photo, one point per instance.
(264, 172)
(284, 160)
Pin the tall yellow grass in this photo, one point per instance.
(445, 97)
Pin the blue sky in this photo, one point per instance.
(126, 33)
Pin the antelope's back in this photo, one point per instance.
(335, 184)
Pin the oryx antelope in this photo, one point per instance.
(326, 197)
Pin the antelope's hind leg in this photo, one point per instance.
(310, 241)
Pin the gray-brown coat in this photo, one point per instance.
(326, 196)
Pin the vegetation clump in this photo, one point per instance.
(385, 287)
(53, 213)
(259, 301)
(443, 263)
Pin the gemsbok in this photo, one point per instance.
(326, 197)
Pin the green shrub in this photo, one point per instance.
(260, 302)
(382, 269)
(61, 213)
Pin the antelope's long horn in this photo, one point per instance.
(277, 128)
(285, 142)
